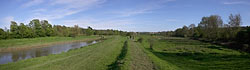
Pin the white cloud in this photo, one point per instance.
(133, 12)
(145, 8)
(77, 3)
(68, 7)
(6, 21)
(235, 2)
(118, 24)
(39, 10)
(171, 20)
(32, 3)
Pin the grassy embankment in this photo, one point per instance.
(132, 57)
(136, 58)
(19, 44)
(171, 53)
(93, 57)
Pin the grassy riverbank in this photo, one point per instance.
(34, 42)
(94, 57)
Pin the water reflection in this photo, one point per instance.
(14, 56)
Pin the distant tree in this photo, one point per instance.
(89, 31)
(23, 31)
(234, 22)
(191, 31)
(210, 25)
(191, 26)
(3, 34)
(14, 30)
(47, 28)
(75, 31)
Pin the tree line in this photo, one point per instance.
(43, 28)
(212, 29)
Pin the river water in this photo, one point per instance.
(13, 56)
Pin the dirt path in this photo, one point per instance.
(139, 60)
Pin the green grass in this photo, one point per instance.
(186, 54)
(159, 63)
(136, 59)
(30, 42)
(94, 57)
(168, 53)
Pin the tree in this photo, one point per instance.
(89, 31)
(3, 34)
(75, 31)
(47, 28)
(23, 31)
(234, 22)
(191, 31)
(210, 25)
(14, 30)
(37, 28)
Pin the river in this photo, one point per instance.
(13, 56)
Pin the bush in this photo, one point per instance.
(140, 40)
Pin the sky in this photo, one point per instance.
(125, 15)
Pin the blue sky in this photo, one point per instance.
(126, 15)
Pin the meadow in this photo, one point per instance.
(149, 53)
(185, 54)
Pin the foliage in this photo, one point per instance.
(43, 28)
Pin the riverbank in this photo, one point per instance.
(93, 57)
(22, 44)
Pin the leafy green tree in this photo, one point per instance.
(47, 28)
(191, 28)
(89, 31)
(23, 31)
(3, 34)
(14, 30)
(210, 25)
(37, 28)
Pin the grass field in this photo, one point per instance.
(31, 42)
(186, 54)
(136, 59)
(121, 53)
(93, 57)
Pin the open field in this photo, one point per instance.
(93, 57)
(121, 53)
(185, 54)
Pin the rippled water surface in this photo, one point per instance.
(13, 56)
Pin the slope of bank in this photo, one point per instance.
(94, 57)
(20, 44)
